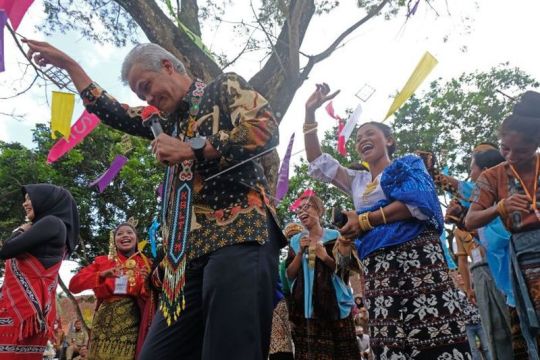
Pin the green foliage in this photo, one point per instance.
(71, 15)
(454, 116)
(131, 194)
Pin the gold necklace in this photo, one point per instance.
(370, 187)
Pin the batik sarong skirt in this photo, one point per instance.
(414, 310)
(316, 339)
(115, 329)
(280, 340)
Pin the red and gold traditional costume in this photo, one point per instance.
(124, 308)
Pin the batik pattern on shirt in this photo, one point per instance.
(239, 124)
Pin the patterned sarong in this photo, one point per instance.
(525, 268)
(280, 339)
(114, 330)
(325, 339)
(414, 309)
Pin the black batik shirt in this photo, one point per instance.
(239, 124)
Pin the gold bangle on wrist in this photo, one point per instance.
(310, 127)
(501, 209)
(364, 223)
(383, 215)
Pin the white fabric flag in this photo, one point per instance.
(351, 123)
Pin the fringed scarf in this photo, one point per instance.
(177, 217)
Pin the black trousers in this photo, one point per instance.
(229, 304)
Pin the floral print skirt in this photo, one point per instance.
(414, 310)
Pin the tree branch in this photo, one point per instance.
(42, 74)
(268, 38)
(242, 52)
(83, 248)
(74, 302)
(326, 53)
(22, 91)
(16, 117)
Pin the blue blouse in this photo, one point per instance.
(407, 180)
(343, 292)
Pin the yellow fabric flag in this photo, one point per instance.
(424, 67)
(141, 245)
(61, 113)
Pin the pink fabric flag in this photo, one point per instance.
(3, 19)
(341, 139)
(82, 127)
(15, 10)
(306, 194)
(283, 177)
(330, 110)
(109, 175)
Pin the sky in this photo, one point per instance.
(466, 36)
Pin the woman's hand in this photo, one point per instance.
(170, 150)
(471, 295)
(144, 272)
(319, 97)
(320, 251)
(304, 243)
(517, 202)
(25, 226)
(345, 245)
(110, 273)
(351, 229)
(454, 212)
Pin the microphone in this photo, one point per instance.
(150, 118)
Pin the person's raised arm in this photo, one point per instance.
(487, 203)
(322, 166)
(45, 54)
(311, 140)
(96, 100)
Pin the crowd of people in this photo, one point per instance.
(218, 290)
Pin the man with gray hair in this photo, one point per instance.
(220, 236)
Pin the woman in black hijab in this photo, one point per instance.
(34, 253)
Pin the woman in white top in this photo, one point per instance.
(413, 306)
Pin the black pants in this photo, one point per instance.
(229, 304)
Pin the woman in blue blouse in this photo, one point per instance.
(414, 310)
(321, 301)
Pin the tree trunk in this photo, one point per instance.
(275, 82)
(161, 30)
(189, 16)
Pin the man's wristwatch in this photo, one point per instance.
(197, 145)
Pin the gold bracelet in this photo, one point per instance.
(383, 215)
(310, 127)
(364, 223)
(367, 224)
(501, 209)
